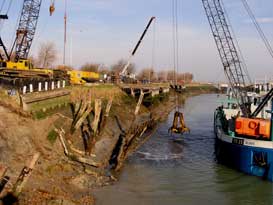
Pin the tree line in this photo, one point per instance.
(47, 56)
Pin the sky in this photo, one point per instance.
(105, 31)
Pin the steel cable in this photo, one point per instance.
(2, 5)
(258, 28)
(237, 44)
(153, 50)
(9, 6)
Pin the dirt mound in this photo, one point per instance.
(20, 138)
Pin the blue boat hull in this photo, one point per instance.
(242, 158)
(252, 160)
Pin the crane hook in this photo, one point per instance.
(51, 8)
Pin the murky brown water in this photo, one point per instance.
(184, 171)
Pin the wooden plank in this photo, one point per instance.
(24, 175)
(3, 171)
(108, 107)
(44, 96)
(98, 109)
(139, 103)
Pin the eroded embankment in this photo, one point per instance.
(62, 179)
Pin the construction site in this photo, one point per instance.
(73, 131)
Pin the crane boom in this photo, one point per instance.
(26, 28)
(227, 51)
(124, 70)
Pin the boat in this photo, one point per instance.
(243, 126)
(245, 144)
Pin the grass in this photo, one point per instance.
(50, 103)
(52, 136)
(128, 100)
(156, 100)
(104, 91)
(43, 109)
(204, 87)
(11, 100)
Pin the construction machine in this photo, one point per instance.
(82, 77)
(15, 67)
(228, 53)
(124, 75)
(230, 59)
(24, 38)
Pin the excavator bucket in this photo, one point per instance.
(179, 126)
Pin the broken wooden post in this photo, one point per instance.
(3, 179)
(133, 92)
(108, 107)
(139, 102)
(80, 110)
(106, 114)
(74, 155)
(98, 110)
(24, 175)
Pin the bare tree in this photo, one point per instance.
(118, 67)
(147, 74)
(33, 60)
(91, 67)
(65, 67)
(162, 76)
(185, 77)
(47, 54)
(171, 76)
(181, 78)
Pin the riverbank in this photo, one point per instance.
(58, 179)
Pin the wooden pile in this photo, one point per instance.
(90, 120)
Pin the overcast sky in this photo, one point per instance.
(104, 31)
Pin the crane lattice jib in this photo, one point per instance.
(227, 50)
(27, 27)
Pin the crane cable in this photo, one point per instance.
(237, 44)
(178, 125)
(9, 6)
(15, 29)
(153, 50)
(175, 46)
(258, 28)
(2, 5)
(175, 39)
(1, 9)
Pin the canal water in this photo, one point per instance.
(184, 171)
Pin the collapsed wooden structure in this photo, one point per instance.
(89, 120)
